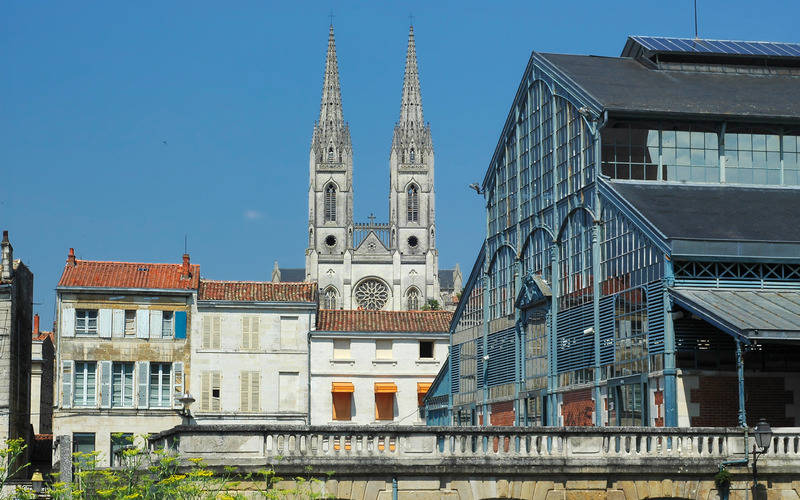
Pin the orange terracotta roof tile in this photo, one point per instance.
(257, 291)
(89, 273)
(43, 336)
(384, 321)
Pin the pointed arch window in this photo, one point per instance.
(330, 203)
(412, 299)
(330, 298)
(413, 203)
(413, 156)
(330, 155)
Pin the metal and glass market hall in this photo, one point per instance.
(641, 265)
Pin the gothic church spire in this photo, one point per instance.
(411, 106)
(330, 113)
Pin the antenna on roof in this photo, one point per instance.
(695, 20)
(185, 243)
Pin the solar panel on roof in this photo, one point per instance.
(729, 47)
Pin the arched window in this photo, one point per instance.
(413, 204)
(412, 155)
(330, 155)
(330, 203)
(330, 298)
(412, 299)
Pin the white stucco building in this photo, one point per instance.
(250, 352)
(373, 367)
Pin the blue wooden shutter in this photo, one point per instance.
(180, 324)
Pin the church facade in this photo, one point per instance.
(369, 265)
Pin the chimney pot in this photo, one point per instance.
(36, 324)
(185, 272)
(71, 258)
(7, 263)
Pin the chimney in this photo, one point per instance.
(185, 272)
(8, 258)
(71, 258)
(36, 324)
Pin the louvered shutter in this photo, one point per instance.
(215, 334)
(244, 391)
(143, 323)
(177, 384)
(105, 384)
(246, 332)
(205, 391)
(255, 336)
(67, 370)
(144, 383)
(104, 323)
(215, 384)
(67, 322)
(156, 320)
(206, 342)
(255, 391)
(118, 323)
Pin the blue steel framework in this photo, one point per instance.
(598, 314)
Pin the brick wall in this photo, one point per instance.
(718, 397)
(502, 413)
(658, 401)
(577, 408)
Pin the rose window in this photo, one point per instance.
(372, 295)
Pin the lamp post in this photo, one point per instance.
(37, 482)
(186, 400)
(763, 437)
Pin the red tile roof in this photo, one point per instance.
(384, 321)
(257, 291)
(89, 273)
(43, 336)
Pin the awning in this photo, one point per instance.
(744, 313)
(385, 387)
(342, 387)
(422, 387)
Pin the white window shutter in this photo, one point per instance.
(67, 370)
(245, 334)
(118, 323)
(206, 341)
(205, 391)
(215, 384)
(255, 336)
(143, 323)
(155, 324)
(67, 322)
(104, 323)
(244, 386)
(216, 340)
(144, 383)
(105, 384)
(177, 384)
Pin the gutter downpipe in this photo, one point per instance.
(311, 328)
(394, 488)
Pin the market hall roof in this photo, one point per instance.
(383, 321)
(708, 220)
(257, 291)
(639, 87)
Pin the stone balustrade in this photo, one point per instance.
(484, 450)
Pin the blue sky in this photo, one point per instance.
(127, 126)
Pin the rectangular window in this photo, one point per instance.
(83, 444)
(384, 406)
(425, 349)
(160, 384)
(209, 391)
(167, 324)
(211, 333)
(130, 323)
(383, 349)
(122, 385)
(250, 333)
(289, 391)
(85, 383)
(86, 322)
(250, 391)
(120, 441)
(341, 349)
(341, 405)
(289, 326)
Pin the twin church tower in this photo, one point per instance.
(370, 265)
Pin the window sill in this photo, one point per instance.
(392, 362)
(427, 362)
(349, 361)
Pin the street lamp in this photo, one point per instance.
(763, 437)
(186, 400)
(37, 481)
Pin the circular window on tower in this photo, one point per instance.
(372, 295)
(330, 240)
(413, 241)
